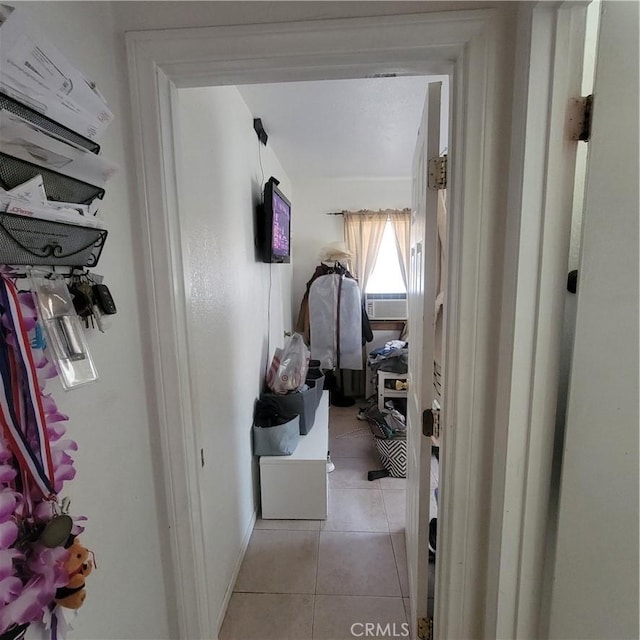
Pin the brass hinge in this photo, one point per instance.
(425, 628)
(438, 173)
(579, 118)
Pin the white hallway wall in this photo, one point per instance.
(119, 485)
(118, 477)
(229, 311)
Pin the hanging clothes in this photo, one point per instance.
(333, 320)
(335, 314)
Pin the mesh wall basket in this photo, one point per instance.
(58, 187)
(40, 120)
(25, 240)
(393, 455)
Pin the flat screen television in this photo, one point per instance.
(276, 236)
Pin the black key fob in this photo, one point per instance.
(103, 298)
(82, 302)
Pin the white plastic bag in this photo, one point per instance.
(289, 367)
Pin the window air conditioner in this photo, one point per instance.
(386, 306)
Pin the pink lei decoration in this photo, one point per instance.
(30, 573)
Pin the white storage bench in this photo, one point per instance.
(295, 487)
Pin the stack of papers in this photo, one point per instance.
(35, 72)
(30, 200)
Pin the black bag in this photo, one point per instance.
(302, 403)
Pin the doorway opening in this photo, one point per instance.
(222, 169)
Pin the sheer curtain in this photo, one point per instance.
(401, 222)
(363, 234)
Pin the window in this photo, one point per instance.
(386, 276)
(379, 245)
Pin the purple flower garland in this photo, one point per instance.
(30, 573)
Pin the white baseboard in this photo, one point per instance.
(236, 571)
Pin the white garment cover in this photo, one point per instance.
(323, 320)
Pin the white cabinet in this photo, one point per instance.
(295, 487)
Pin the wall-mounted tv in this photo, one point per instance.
(276, 236)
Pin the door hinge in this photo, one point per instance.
(579, 118)
(425, 628)
(438, 173)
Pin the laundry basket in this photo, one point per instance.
(393, 455)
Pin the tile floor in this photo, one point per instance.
(313, 579)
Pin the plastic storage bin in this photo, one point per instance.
(304, 403)
(315, 375)
(279, 440)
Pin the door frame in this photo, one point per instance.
(549, 59)
(469, 46)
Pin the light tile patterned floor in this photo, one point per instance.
(314, 580)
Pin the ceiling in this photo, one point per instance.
(364, 128)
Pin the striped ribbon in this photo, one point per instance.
(54, 626)
(21, 411)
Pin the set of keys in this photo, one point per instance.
(92, 302)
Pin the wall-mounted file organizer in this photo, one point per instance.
(33, 241)
(14, 172)
(40, 120)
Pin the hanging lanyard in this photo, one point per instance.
(22, 415)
